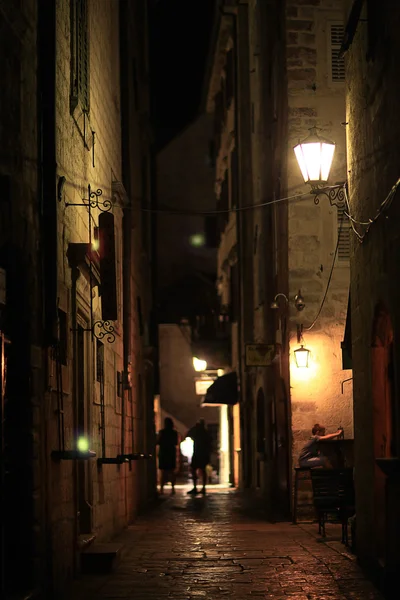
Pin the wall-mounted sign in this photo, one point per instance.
(259, 355)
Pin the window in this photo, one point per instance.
(99, 361)
(337, 63)
(80, 54)
(343, 228)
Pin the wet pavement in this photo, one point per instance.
(216, 547)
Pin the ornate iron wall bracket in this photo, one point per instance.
(104, 329)
(336, 194)
(99, 329)
(93, 201)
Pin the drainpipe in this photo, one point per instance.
(46, 122)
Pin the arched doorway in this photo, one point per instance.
(383, 414)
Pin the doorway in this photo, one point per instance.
(383, 393)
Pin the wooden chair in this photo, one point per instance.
(333, 496)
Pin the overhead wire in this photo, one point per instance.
(329, 278)
(223, 211)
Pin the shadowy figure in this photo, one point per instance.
(310, 456)
(201, 453)
(167, 441)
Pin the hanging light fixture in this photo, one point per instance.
(301, 356)
(199, 364)
(314, 156)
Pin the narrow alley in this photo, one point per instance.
(215, 547)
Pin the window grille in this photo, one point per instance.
(343, 228)
(337, 63)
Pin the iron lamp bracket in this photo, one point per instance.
(336, 194)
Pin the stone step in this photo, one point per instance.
(100, 558)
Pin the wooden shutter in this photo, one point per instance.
(343, 227)
(82, 50)
(337, 63)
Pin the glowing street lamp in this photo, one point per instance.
(314, 156)
(82, 444)
(301, 356)
(199, 365)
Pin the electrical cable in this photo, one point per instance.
(224, 211)
(384, 206)
(329, 278)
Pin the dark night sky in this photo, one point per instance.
(179, 40)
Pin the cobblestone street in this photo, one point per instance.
(212, 547)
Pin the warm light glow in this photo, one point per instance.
(95, 245)
(197, 240)
(82, 444)
(187, 448)
(314, 156)
(199, 365)
(301, 356)
(220, 372)
(202, 386)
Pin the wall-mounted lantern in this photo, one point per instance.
(199, 364)
(298, 301)
(314, 156)
(301, 356)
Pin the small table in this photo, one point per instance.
(339, 452)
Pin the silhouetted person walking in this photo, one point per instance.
(167, 441)
(201, 453)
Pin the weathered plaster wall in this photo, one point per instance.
(314, 100)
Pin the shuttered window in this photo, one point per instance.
(343, 228)
(337, 64)
(80, 51)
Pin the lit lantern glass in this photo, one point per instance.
(95, 240)
(315, 155)
(199, 365)
(82, 444)
(301, 356)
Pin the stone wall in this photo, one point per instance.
(316, 100)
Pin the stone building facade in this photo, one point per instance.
(318, 235)
(79, 245)
(274, 74)
(371, 51)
